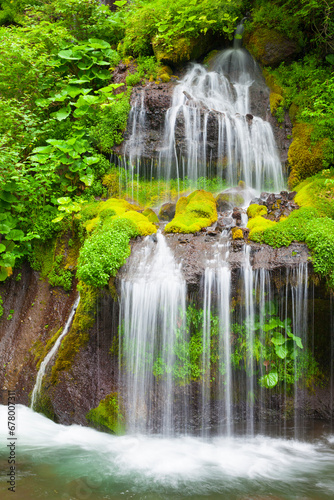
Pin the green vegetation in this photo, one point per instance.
(265, 347)
(108, 416)
(193, 212)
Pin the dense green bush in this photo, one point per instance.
(104, 252)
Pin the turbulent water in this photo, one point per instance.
(72, 462)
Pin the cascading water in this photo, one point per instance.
(152, 310)
(211, 104)
(45, 362)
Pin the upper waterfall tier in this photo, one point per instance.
(210, 128)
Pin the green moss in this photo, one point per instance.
(44, 405)
(193, 212)
(78, 335)
(276, 100)
(269, 46)
(257, 225)
(317, 192)
(143, 225)
(255, 210)
(108, 415)
(305, 158)
(151, 216)
(40, 350)
(237, 233)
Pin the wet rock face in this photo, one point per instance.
(278, 205)
(167, 211)
(158, 99)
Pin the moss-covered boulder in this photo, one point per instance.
(167, 211)
(108, 417)
(183, 49)
(257, 225)
(305, 157)
(270, 47)
(151, 216)
(193, 212)
(254, 210)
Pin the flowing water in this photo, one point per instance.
(206, 104)
(152, 310)
(203, 428)
(77, 463)
(48, 357)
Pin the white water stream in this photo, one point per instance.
(53, 350)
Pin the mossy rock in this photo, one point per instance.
(167, 211)
(108, 417)
(237, 233)
(227, 201)
(183, 49)
(305, 158)
(275, 101)
(255, 210)
(258, 225)
(142, 223)
(151, 216)
(78, 335)
(193, 212)
(270, 47)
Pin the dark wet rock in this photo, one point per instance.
(167, 211)
(292, 195)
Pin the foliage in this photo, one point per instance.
(60, 276)
(166, 23)
(105, 251)
(255, 210)
(267, 341)
(108, 416)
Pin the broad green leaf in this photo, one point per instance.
(110, 87)
(15, 234)
(99, 44)
(7, 260)
(70, 55)
(64, 200)
(62, 114)
(87, 179)
(281, 351)
(278, 339)
(79, 82)
(85, 65)
(59, 218)
(9, 197)
(3, 274)
(269, 380)
(81, 111)
(101, 74)
(2, 248)
(4, 229)
(90, 160)
(43, 149)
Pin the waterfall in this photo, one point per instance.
(217, 284)
(152, 312)
(210, 129)
(45, 362)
